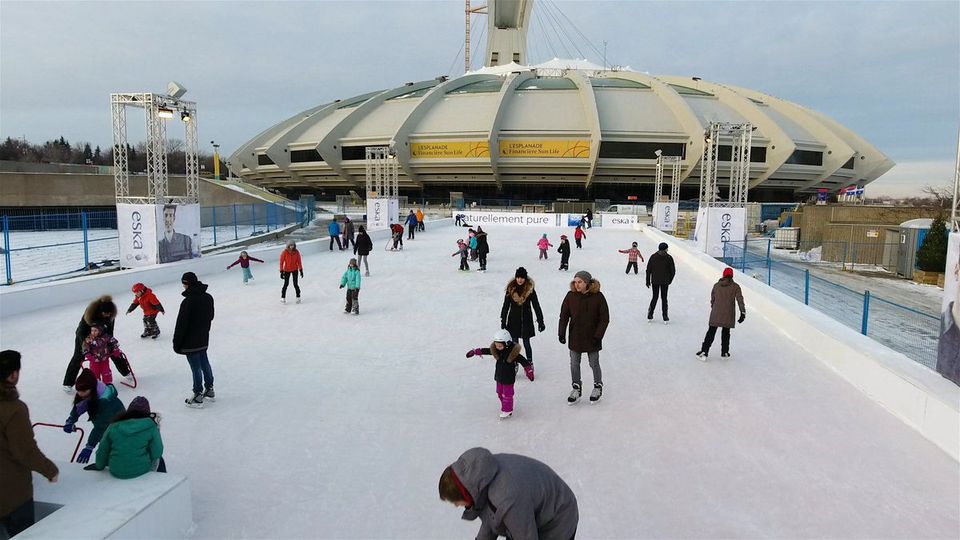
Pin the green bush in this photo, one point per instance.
(932, 255)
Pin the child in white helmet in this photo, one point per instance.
(507, 354)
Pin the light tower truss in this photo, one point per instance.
(157, 110)
(382, 173)
(740, 137)
(955, 212)
(673, 163)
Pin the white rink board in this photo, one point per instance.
(513, 219)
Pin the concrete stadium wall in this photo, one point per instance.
(920, 397)
(24, 189)
(816, 222)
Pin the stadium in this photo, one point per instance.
(563, 128)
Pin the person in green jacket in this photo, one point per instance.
(100, 402)
(132, 445)
(351, 280)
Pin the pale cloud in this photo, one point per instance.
(907, 179)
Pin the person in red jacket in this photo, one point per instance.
(290, 265)
(148, 302)
(397, 230)
(632, 255)
(579, 235)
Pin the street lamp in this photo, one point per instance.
(216, 161)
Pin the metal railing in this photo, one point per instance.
(904, 329)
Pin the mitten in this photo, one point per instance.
(68, 427)
(301, 273)
(743, 316)
(281, 274)
(541, 327)
(341, 286)
(529, 371)
(563, 339)
(85, 454)
(474, 352)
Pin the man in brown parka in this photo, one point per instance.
(724, 298)
(585, 308)
(19, 453)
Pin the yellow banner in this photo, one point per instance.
(449, 150)
(544, 149)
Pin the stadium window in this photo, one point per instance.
(640, 150)
(263, 159)
(494, 58)
(758, 154)
(353, 152)
(305, 156)
(849, 163)
(806, 157)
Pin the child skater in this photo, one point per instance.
(564, 251)
(544, 244)
(464, 252)
(507, 354)
(632, 255)
(351, 280)
(147, 301)
(579, 235)
(244, 261)
(98, 348)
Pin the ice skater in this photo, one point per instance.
(660, 274)
(543, 245)
(482, 248)
(148, 302)
(191, 337)
(333, 229)
(472, 242)
(348, 233)
(101, 311)
(520, 302)
(362, 248)
(507, 354)
(420, 226)
(397, 230)
(101, 404)
(585, 309)
(290, 265)
(632, 254)
(564, 251)
(411, 222)
(724, 299)
(589, 218)
(351, 280)
(98, 349)
(579, 235)
(464, 252)
(244, 261)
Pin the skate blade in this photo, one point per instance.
(195, 405)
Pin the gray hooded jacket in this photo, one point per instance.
(516, 496)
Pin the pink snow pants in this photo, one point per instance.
(101, 370)
(505, 393)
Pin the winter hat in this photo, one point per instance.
(242, 253)
(521, 272)
(728, 272)
(663, 246)
(502, 336)
(563, 237)
(86, 380)
(544, 235)
(291, 244)
(189, 278)
(584, 275)
(634, 244)
(353, 262)
(9, 362)
(139, 404)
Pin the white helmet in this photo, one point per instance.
(502, 336)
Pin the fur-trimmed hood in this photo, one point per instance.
(520, 293)
(105, 303)
(511, 356)
(592, 288)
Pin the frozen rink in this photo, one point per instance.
(334, 426)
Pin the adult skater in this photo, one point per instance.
(132, 445)
(482, 248)
(578, 236)
(458, 219)
(101, 404)
(192, 336)
(660, 273)
(397, 230)
(411, 222)
(589, 218)
(19, 453)
(585, 308)
(290, 266)
(333, 229)
(348, 233)
(724, 298)
(420, 226)
(520, 302)
(564, 251)
(103, 312)
(514, 496)
(362, 248)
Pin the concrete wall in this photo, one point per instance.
(814, 221)
(24, 189)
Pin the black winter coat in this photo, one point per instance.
(482, 246)
(564, 248)
(660, 269)
(519, 303)
(363, 245)
(93, 316)
(507, 361)
(192, 333)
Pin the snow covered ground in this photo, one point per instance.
(334, 426)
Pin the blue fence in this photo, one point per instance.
(907, 330)
(48, 245)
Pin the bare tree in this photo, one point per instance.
(942, 195)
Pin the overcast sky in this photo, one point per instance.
(890, 71)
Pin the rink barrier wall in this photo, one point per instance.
(24, 299)
(916, 395)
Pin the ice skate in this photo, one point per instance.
(574, 394)
(666, 321)
(366, 274)
(298, 299)
(195, 402)
(597, 392)
(128, 378)
(145, 334)
(505, 415)
(68, 389)
(649, 320)
(725, 355)
(283, 300)
(210, 395)
(702, 356)
(356, 308)
(156, 335)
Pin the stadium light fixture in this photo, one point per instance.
(185, 116)
(165, 113)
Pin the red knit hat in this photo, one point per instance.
(728, 272)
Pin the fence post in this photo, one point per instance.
(214, 225)
(866, 312)
(743, 261)
(769, 264)
(86, 246)
(236, 234)
(806, 287)
(6, 249)
(853, 259)
(253, 216)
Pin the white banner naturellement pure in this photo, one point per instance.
(178, 232)
(510, 218)
(665, 215)
(137, 231)
(715, 226)
(378, 216)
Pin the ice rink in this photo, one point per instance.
(335, 426)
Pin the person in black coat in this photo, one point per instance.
(660, 273)
(519, 303)
(192, 336)
(100, 312)
(362, 248)
(589, 218)
(482, 248)
(564, 251)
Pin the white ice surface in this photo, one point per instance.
(335, 426)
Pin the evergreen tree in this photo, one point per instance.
(932, 255)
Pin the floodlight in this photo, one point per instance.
(164, 112)
(185, 116)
